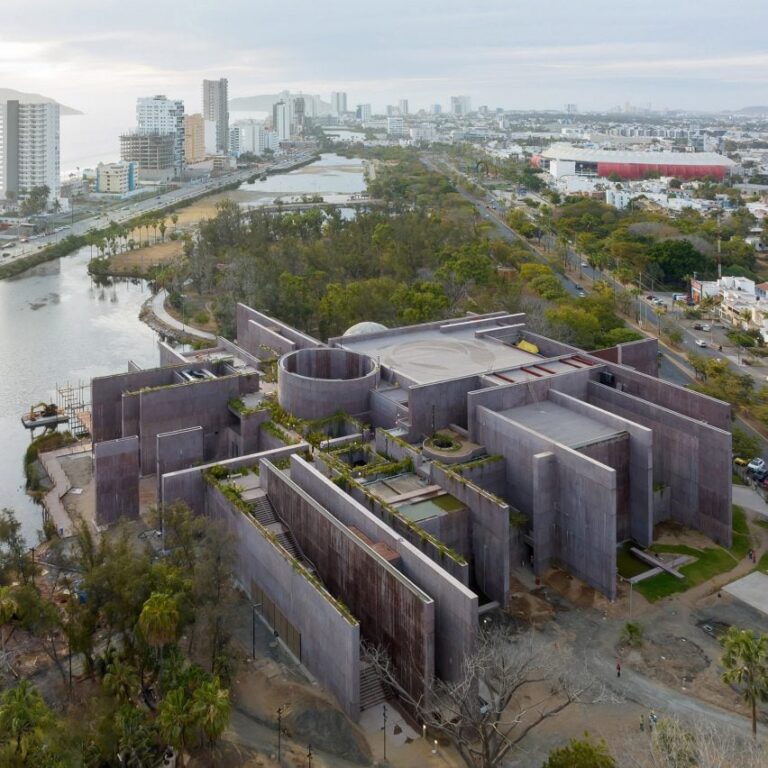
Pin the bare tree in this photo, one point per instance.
(505, 689)
(703, 744)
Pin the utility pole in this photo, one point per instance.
(279, 732)
(309, 756)
(385, 731)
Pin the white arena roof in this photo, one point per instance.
(562, 151)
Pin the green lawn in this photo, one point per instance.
(627, 564)
(710, 562)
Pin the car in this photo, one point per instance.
(650, 297)
(582, 295)
(585, 265)
(706, 327)
(740, 462)
(698, 327)
(756, 465)
(701, 343)
(758, 477)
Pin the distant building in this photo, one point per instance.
(281, 121)
(363, 113)
(566, 160)
(396, 126)
(116, 178)
(29, 148)
(165, 117)
(338, 103)
(194, 138)
(423, 132)
(402, 105)
(216, 108)
(436, 109)
(298, 107)
(461, 105)
(154, 154)
(209, 136)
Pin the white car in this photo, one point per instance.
(706, 327)
(701, 343)
(756, 465)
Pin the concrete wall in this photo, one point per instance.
(255, 329)
(641, 355)
(330, 644)
(116, 469)
(569, 498)
(188, 485)
(692, 457)
(393, 612)
(490, 535)
(178, 450)
(169, 409)
(636, 520)
(455, 604)
(316, 383)
(446, 401)
(169, 355)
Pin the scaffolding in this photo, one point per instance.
(75, 402)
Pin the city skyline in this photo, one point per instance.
(530, 55)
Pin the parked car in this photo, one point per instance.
(759, 476)
(706, 327)
(740, 462)
(698, 327)
(756, 465)
(701, 343)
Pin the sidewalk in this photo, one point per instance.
(157, 304)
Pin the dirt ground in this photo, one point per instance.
(144, 258)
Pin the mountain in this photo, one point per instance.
(7, 94)
(753, 111)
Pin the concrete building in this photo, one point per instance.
(216, 108)
(395, 126)
(153, 153)
(363, 113)
(402, 105)
(461, 105)
(194, 138)
(29, 148)
(117, 178)
(452, 452)
(163, 117)
(338, 103)
(209, 136)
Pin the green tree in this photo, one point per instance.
(159, 620)
(211, 708)
(678, 258)
(581, 753)
(8, 608)
(176, 720)
(35, 201)
(745, 444)
(121, 681)
(23, 717)
(745, 664)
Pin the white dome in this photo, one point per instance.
(358, 329)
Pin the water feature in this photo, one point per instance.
(57, 327)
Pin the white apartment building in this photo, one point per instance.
(216, 108)
(402, 105)
(281, 120)
(363, 113)
(29, 148)
(163, 116)
(395, 126)
(423, 132)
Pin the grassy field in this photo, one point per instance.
(628, 565)
(709, 562)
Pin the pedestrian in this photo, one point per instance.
(642, 722)
(618, 668)
(750, 554)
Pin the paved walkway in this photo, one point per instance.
(158, 309)
(749, 498)
(61, 486)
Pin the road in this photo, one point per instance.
(175, 196)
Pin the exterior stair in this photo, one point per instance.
(263, 511)
(372, 691)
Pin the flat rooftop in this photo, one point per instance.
(433, 355)
(560, 424)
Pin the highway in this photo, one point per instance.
(172, 197)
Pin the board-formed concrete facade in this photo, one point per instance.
(375, 536)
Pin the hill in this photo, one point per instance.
(7, 94)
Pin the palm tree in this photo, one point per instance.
(162, 226)
(745, 662)
(23, 714)
(121, 680)
(159, 620)
(211, 706)
(176, 719)
(8, 608)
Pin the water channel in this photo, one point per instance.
(57, 327)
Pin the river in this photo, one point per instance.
(57, 327)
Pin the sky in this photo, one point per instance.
(99, 56)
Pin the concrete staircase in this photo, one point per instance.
(372, 691)
(264, 513)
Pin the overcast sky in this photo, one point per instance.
(99, 55)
